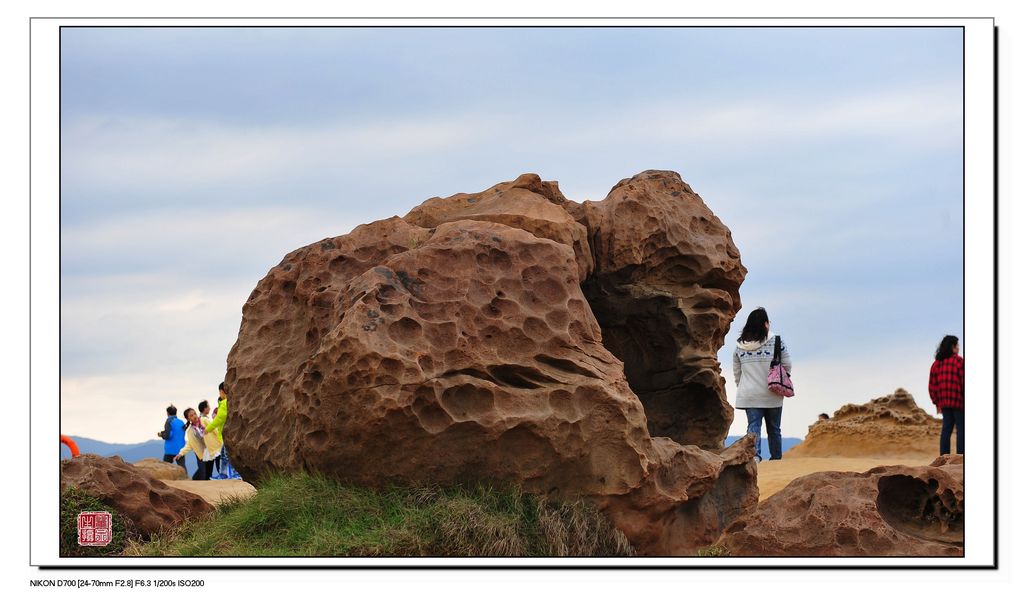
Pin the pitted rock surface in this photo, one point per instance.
(149, 503)
(892, 426)
(526, 203)
(665, 289)
(886, 511)
(458, 344)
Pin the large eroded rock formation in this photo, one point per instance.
(884, 512)
(508, 336)
(889, 426)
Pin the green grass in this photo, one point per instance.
(304, 515)
(72, 502)
(713, 551)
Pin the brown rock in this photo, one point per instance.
(687, 501)
(161, 470)
(526, 203)
(665, 290)
(891, 426)
(457, 345)
(149, 503)
(886, 511)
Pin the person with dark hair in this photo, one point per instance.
(822, 417)
(946, 388)
(195, 442)
(173, 435)
(751, 361)
(213, 443)
(220, 417)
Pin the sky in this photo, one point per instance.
(194, 159)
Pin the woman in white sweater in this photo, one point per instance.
(750, 364)
(195, 434)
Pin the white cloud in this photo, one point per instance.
(148, 296)
(127, 152)
(240, 231)
(132, 344)
(918, 116)
(115, 151)
(125, 325)
(129, 408)
(133, 340)
(183, 303)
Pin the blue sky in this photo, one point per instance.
(192, 160)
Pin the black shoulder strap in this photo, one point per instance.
(777, 356)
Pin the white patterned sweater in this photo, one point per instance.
(750, 364)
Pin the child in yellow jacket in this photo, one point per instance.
(220, 414)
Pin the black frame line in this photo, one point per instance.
(995, 199)
(995, 291)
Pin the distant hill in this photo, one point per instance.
(129, 452)
(787, 443)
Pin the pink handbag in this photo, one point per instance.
(779, 381)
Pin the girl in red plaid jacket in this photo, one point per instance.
(946, 387)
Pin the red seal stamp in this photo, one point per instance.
(95, 529)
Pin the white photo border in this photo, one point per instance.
(980, 325)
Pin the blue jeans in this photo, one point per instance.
(951, 418)
(773, 421)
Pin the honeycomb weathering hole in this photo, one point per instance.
(915, 508)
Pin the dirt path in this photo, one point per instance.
(215, 491)
(773, 476)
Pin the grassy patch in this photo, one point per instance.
(713, 551)
(304, 515)
(72, 502)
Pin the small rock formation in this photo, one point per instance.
(688, 500)
(149, 503)
(510, 335)
(887, 511)
(892, 426)
(161, 470)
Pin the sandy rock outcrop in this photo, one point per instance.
(887, 511)
(161, 470)
(149, 503)
(892, 426)
(460, 344)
